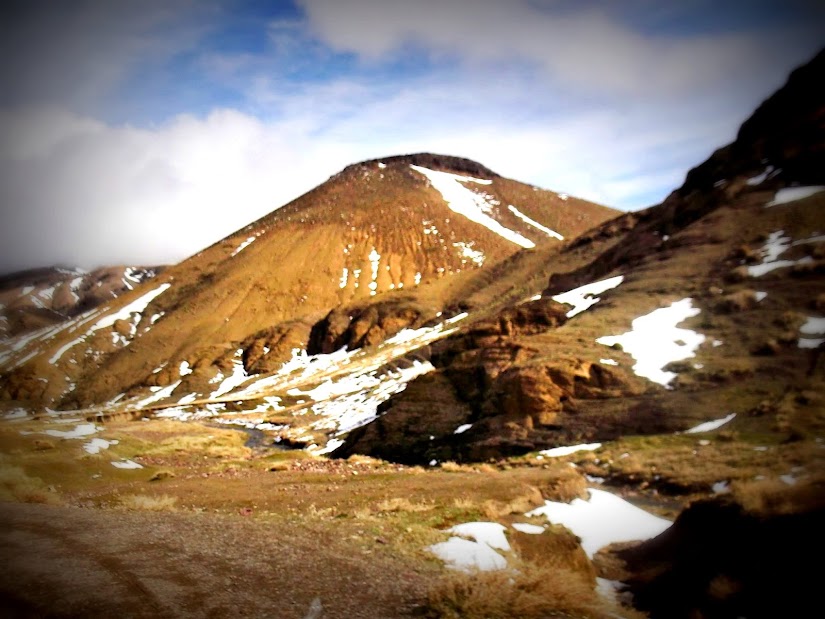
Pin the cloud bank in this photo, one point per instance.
(142, 148)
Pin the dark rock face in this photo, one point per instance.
(266, 350)
(514, 401)
(721, 560)
(446, 163)
(787, 131)
(356, 327)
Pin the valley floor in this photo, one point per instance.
(74, 562)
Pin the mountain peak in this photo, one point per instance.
(446, 163)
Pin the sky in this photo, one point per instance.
(140, 132)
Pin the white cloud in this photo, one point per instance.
(572, 100)
(93, 193)
(77, 52)
(77, 191)
(586, 49)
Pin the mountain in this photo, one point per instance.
(377, 231)
(38, 298)
(721, 286)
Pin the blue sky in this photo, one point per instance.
(140, 132)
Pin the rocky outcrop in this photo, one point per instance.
(722, 559)
(491, 395)
(447, 163)
(356, 327)
(267, 350)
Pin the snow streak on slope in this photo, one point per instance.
(790, 194)
(534, 223)
(470, 204)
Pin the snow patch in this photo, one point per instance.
(753, 181)
(96, 445)
(791, 194)
(526, 527)
(127, 464)
(655, 340)
(603, 519)
(478, 552)
(84, 429)
(466, 251)
(534, 223)
(556, 452)
(243, 246)
(774, 247)
(582, 297)
(237, 377)
(709, 426)
(814, 325)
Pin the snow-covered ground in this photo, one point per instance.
(709, 426)
(776, 245)
(582, 298)
(469, 203)
(790, 194)
(655, 340)
(603, 519)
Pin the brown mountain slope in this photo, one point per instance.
(376, 228)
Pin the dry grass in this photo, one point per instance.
(148, 503)
(402, 504)
(17, 485)
(529, 498)
(530, 592)
(221, 445)
(564, 486)
(770, 497)
(359, 459)
(464, 503)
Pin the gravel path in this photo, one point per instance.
(73, 562)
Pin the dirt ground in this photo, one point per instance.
(75, 562)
